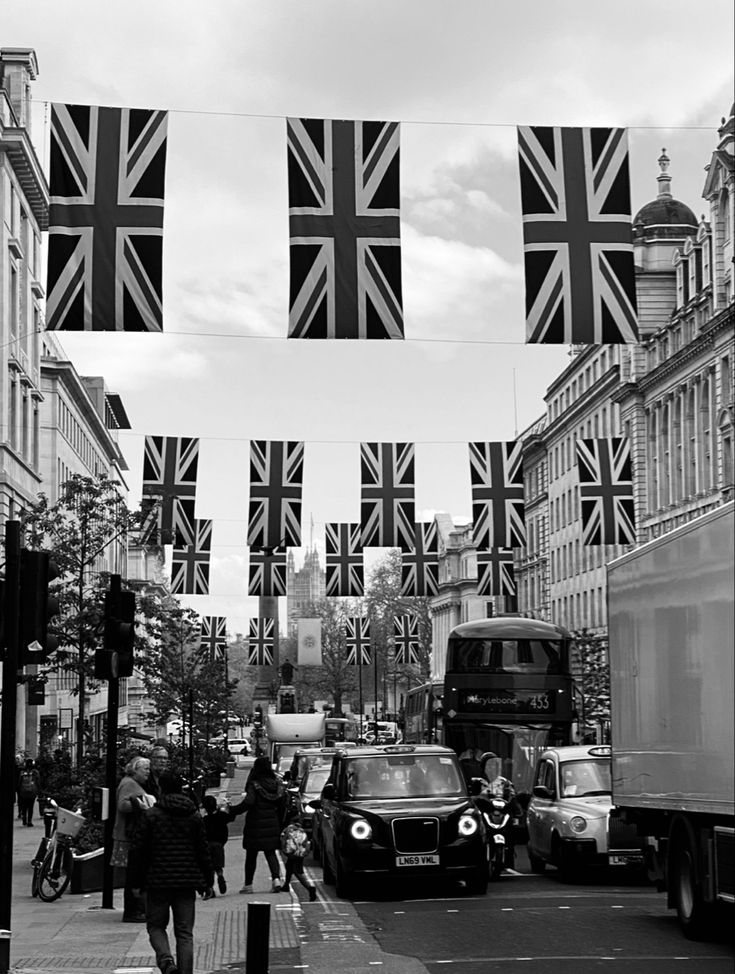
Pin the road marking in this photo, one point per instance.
(398, 912)
(617, 907)
(452, 911)
(563, 907)
(506, 909)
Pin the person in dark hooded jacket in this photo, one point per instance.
(265, 804)
(172, 863)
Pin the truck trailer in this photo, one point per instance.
(671, 636)
(286, 732)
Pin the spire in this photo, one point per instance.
(663, 178)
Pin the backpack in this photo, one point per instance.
(27, 784)
(295, 842)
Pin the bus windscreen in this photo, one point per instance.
(543, 656)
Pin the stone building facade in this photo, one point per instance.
(671, 394)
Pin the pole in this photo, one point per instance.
(11, 611)
(191, 737)
(359, 693)
(113, 704)
(258, 932)
(375, 711)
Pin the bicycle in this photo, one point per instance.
(53, 863)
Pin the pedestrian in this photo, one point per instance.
(159, 763)
(265, 805)
(171, 862)
(295, 847)
(216, 821)
(29, 783)
(132, 798)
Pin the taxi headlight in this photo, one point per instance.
(467, 825)
(310, 807)
(577, 824)
(361, 830)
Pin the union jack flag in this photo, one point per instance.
(106, 219)
(357, 641)
(345, 572)
(406, 639)
(213, 642)
(344, 215)
(496, 472)
(267, 572)
(387, 499)
(276, 473)
(170, 474)
(260, 642)
(606, 491)
(420, 567)
(577, 237)
(495, 572)
(181, 532)
(190, 565)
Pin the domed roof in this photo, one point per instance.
(670, 215)
(665, 210)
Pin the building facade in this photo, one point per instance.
(671, 395)
(304, 586)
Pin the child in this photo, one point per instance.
(295, 846)
(215, 825)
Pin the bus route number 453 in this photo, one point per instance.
(540, 701)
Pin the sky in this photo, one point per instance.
(459, 76)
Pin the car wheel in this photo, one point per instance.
(344, 885)
(477, 884)
(537, 865)
(568, 868)
(327, 874)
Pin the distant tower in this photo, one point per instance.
(305, 586)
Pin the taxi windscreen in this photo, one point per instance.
(404, 776)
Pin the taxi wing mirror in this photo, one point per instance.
(328, 792)
(476, 785)
(541, 791)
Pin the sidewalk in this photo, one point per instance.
(76, 936)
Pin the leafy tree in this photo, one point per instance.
(78, 529)
(591, 662)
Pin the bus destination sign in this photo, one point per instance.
(507, 701)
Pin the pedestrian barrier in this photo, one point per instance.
(258, 932)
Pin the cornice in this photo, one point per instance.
(16, 144)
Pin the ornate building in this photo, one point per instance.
(672, 395)
(304, 586)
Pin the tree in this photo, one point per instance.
(384, 604)
(174, 667)
(592, 662)
(89, 516)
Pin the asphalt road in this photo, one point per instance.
(538, 925)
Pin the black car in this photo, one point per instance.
(309, 791)
(400, 811)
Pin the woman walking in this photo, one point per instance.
(265, 805)
(131, 799)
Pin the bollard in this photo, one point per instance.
(258, 931)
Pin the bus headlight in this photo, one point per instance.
(467, 825)
(577, 824)
(361, 830)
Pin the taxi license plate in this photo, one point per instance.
(418, 860)
(618, 861)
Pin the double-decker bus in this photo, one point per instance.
(508, 696)
(422, 707)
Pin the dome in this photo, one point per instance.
(665, 216)
(666, 211)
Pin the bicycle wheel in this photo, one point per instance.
(54, 874)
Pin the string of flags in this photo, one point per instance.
(107, 189)
(387, 513)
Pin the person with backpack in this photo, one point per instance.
(29, 782)
(295, 846)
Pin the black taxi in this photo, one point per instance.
(399, 811)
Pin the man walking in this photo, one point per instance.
(171, 862)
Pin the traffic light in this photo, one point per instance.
(115, 657)
(37, 607)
